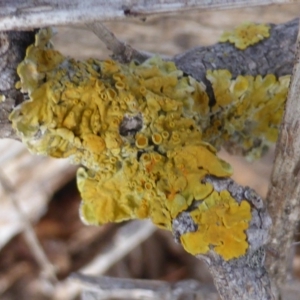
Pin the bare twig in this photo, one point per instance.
(48, 270)
(127, 238)
(121, 51)
(26, 14)
(284, 193)
(13, 274)
(110, 287)
(175, 5)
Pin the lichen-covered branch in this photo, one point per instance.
(284, 193)
(273, 55)
(243, 277)
(147, 136)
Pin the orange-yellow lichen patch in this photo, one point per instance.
(80, 105)
(221, 227)
(247, 112)
(246, 34)
(135, 129)
(146, 136)
(153, 186)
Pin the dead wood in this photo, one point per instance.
(284, 194)
(27, 14)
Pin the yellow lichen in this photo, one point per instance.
(221, 227)
(246, 34)
(247, 112)
(77, 109)
(146, 136)
(141, 141)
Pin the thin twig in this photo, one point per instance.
(133, 294)
(121, 51)
(16, 15)
(13, 274)
(48, 270)
(128, 237)
(125, 288)
(177, 6)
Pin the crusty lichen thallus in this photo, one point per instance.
(221, 226)
(246, 34)
(139, 131)
(247, 112)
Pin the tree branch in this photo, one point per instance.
(284, 193)
(274, 55)
(135, 289)
(121, 51)
(16, 15)
(244, 277)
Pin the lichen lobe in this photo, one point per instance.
(246, 34)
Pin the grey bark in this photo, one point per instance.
(272, 55)
(284, 193)
(26, 14)
(121, 288)
(13, 45)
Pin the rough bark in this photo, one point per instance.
(12, 50)
(273, 55)
(284, 193)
